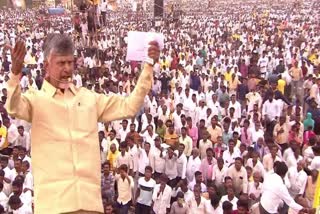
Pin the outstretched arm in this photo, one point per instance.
(17, 104)
(117, 107)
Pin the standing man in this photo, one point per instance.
(64, 119)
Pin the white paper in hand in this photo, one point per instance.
(138, 44)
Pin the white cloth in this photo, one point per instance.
(274, 192)
(162, 201)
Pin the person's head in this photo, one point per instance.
(255, 156)
(228, 183)
(280, 168)
(211, 188)
(17, 165)
(17, 186)
(220, 162)
(22, 152)
(230, 193)
(231, 144)
(132, 127)
(274, 150)
(123, 147)
(242, 206)
(163, 180)
(209, 153)
(108, 207)
(58, 60)
(106, 168)
(215, 200)
(124, 124)
(25, 166)
(147, 146)
(180, 199)
(112, 134)
(214, 121)
(243, 148)
(113, 147)
(21, 130)
(148, 172)
(15, 202)
(227, 207)
(123, 169)
(4, 162)
(238, 163)
(198, 176)
(181, 148)
(197, 191)
(257, 177)
(195, 152)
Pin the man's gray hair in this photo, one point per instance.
(59, 44)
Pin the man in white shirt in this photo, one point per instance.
(3, 198)
(25, 196)
(181, 163)
(296, 179)
(270, 112)
(219, 172)
(171, 167)
(161, 196)
(28, 178)
(275, 192)
(193, 165)
(199, 204)
(231, 154)
(143, 197)
(186, 141)
(18, 206)
(23, 138)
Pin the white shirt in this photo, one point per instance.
(78, 80)
(182, 166)
(143, 160)
(219, 175)
(12, 133)
(4, 201)
(28, 181)
(237, 109)
(158, 163)
(171, 167)
(229, 158)
(198, 209)
(315, 163)
(193, 165)
(296, 181)
(253, 189)
(274, 192)
(25, 209)
(162, 201)
(233, 201)
(256, 168)
(271, 109)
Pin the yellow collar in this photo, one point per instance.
(51, 90)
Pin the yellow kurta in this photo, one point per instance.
(65, 146)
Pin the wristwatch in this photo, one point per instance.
(150, 61)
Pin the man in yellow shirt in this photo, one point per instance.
(3, 136)
(281, 85)
(64, 126)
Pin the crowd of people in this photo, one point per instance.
(232, 122)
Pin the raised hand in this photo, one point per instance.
(18, 54)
